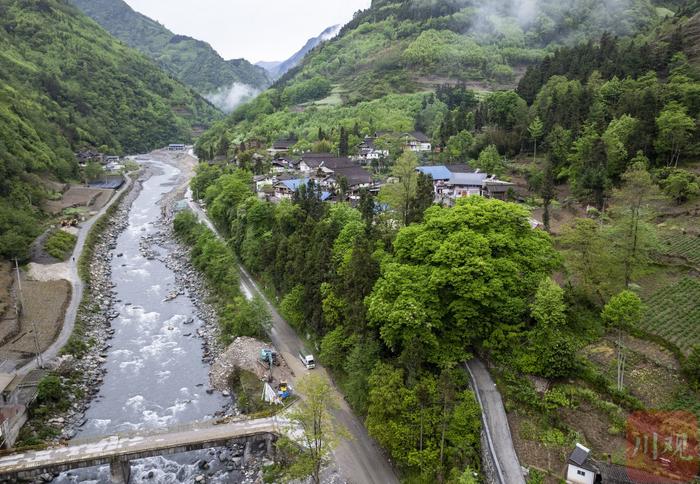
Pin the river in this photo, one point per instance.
(156, 376)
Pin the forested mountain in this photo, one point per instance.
(65, 84)
(192, 61)
(403, 47)
(277, 69)
(400, 46)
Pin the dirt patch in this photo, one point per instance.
(652, 373)
(44, 307)
(594, 426)
(49, 272)
(244, 354)
(535, 453)
(80, 196)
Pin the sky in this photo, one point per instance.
(257, 30)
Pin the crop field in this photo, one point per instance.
(674, 313)
(683, 246)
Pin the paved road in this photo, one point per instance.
(360, 460)
(493, 416)
(202, 434)
(77, 286)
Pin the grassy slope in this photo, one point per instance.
(192, 61)
(64, 84)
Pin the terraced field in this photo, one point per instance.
(683, 246)
(674, 313)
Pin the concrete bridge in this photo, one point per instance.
(118, 451)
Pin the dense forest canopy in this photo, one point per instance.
(66, 84)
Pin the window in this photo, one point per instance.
(581, 473)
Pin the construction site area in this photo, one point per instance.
(253, 370)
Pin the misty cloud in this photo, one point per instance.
(566, 21)
(228, 98)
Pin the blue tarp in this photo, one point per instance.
(112, 183)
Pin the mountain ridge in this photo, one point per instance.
(279, 68)
(192, 61)
(55, 101)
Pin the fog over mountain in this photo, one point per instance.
(278, 68)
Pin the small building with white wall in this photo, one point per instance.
(580, 468)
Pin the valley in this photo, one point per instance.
(446, 241)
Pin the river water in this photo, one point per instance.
(155, 374)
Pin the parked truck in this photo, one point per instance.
(308, 359)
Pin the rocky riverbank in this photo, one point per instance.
(81, 368)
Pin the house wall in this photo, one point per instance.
(283, 193)
(466, 191)
(573, 475)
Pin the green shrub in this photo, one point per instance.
(50, 390)
(60, 244)
(215, 259)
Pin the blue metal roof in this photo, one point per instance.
(438, 172)
(294, 184)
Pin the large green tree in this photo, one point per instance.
(675, 130)
(320, 432)
(632, 231)
(456, 277)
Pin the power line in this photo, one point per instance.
(34, 329)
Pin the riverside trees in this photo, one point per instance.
(397, 313)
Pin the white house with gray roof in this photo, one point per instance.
(457, 181)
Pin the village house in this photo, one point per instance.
(451, 182)
(312, 163)
(279, 165)
(368, 151)
(497, 189)
(354, 177)
(581, 468)
(86, 156)
(417, 141)
(281, 146)
(441, 175)
(285, 189)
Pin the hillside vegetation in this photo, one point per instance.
(410, 46)
(65, 84)
(601, 140)
(192, 61)
(393, 45)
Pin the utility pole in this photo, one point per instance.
(39, 361)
